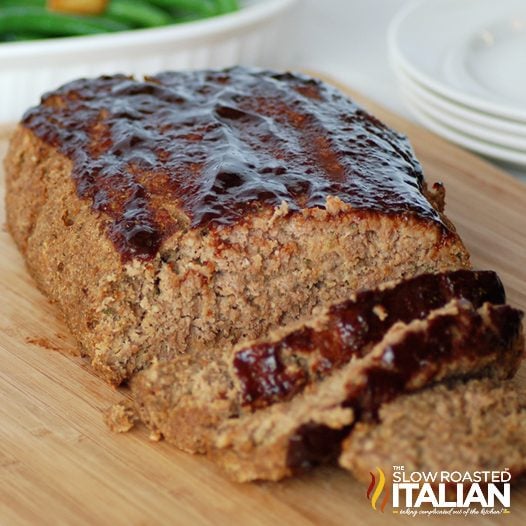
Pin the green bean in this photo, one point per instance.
(39, 20)
(226, 6)
(138, 13)
(179, 18)
(30, 19)
(22, 3)
(203, 8)
(19, 36)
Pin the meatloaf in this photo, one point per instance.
(475, 426)
(277, 404)
(185, 211)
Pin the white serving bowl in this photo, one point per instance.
(250, 36)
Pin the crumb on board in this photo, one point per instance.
(43, 342)
(120, 417)
(155, 436)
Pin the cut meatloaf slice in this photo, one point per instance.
(277, 368)
(282, 438)
(186, 399)
(190, 210)
(455, 341)
(475, 426)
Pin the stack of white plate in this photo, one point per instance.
(461, 65)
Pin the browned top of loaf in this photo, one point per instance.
(206, 148)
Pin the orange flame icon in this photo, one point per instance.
(378, 490)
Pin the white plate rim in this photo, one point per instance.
(480, 147)
(488, 106)
(460, 110)
(464, 127)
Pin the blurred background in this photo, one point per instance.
(475, 47)
(347, 39)
(456, 66)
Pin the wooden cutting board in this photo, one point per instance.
(60, 465)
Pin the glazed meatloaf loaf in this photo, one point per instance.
(283, 402)
(187, 211)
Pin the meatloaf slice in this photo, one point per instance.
(273, 442)
(187, 408)
(189, 210)
(475, 426)
(455, 341)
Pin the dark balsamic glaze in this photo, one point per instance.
(449, 344)
(448, 339)
(218, 145)
(272, 372)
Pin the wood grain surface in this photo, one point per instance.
(60, 465)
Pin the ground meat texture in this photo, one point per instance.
(469, 426)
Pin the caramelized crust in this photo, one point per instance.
(205, 148)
